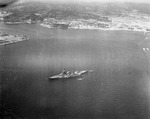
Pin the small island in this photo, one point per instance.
(6, 38)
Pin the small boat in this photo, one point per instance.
(76, 74)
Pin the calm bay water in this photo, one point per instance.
(117, 89)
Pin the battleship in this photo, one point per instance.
(70, 75)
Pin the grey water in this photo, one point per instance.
(117, 89)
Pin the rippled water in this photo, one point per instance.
(117, 89)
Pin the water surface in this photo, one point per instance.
(117, 89)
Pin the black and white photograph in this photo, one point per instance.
(74, 59)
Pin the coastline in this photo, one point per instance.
(6, 38)
(40, 34)
(83, 27)
(104, 29)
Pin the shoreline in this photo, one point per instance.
(84, 27)
(19, 38)
(98, 29)
(6, 39)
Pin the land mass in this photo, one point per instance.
(6, 38)
(104, 16)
